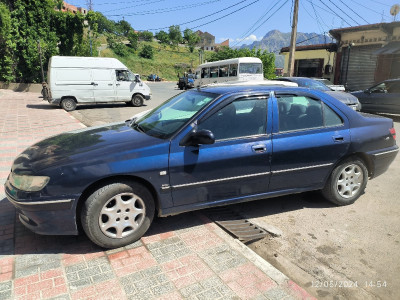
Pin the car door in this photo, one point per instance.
(384, 97)
(236, 166)
(308, 138)
(103, 81)
(125, 85)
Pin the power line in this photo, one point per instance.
(354, 12)
(266, 19)
(317, 16)
(321, 31)
(247, 32)
(335, 13)
(136, 5)
(164, 10)
(345, 13)
(204, 17)
(379, 13)
(231, 13)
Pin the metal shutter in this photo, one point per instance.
(362, 66)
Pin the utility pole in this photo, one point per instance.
(292, 47)
(89, 5)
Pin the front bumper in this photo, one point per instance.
(43, 214)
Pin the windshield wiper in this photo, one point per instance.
(132, 123)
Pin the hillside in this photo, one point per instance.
(275, 40)
(166, 63)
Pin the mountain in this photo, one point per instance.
(275, 40)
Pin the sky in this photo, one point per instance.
(243, 21)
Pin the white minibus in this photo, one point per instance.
(234, 69)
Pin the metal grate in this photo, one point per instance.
(234, 224)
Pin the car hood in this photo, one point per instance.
(346, 98)
(81, 145)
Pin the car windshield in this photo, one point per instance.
(311, 84)
(169, 117)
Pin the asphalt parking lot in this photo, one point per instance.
(333, 252)
(93, 115)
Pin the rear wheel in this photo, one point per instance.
(137, 100)
(68, 104)
(347, 182)
(117, 214)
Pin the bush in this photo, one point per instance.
(147, 52)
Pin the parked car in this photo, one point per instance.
(383, 97)
(202, 148)
(329, 84)
(346, 98)
(186, 81)
(74, 80)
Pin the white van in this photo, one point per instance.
(235, 69)
(74, 80)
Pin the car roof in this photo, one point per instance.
(226, 89)
(392, 80)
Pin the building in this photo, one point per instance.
(207, 41)
(312, 60)
(367, 54)
(72, 8)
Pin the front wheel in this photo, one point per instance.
(347, 182)
(137, 100)
(68, 104)
(117, 214)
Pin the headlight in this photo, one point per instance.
(28, 183)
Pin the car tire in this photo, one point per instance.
(117, 214)
(68, 104)
(347, 182)
(137, 100)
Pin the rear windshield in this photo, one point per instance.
(250, 68)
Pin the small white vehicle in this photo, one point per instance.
(75, 80)
(235, 69)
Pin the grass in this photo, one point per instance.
(166, 63)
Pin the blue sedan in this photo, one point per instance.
(202, 148)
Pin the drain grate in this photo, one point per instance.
(235, 224)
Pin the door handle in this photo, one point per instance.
(94, 83)
(110, 84)
(338, 139)
(259, 148)
(118, 84)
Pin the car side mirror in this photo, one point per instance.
(137, 78)
(201, 137)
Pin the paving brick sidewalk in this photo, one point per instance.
(181, 257)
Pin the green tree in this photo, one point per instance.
(99, 23)
(267, 58)
(146, 52)
(133, 39)
(162, 37)
(69, 30)
(191, 39)
(30, 22)
(6, 45)
(175, 35)
(146, 36)
(123, 28)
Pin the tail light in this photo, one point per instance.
(393, 132)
